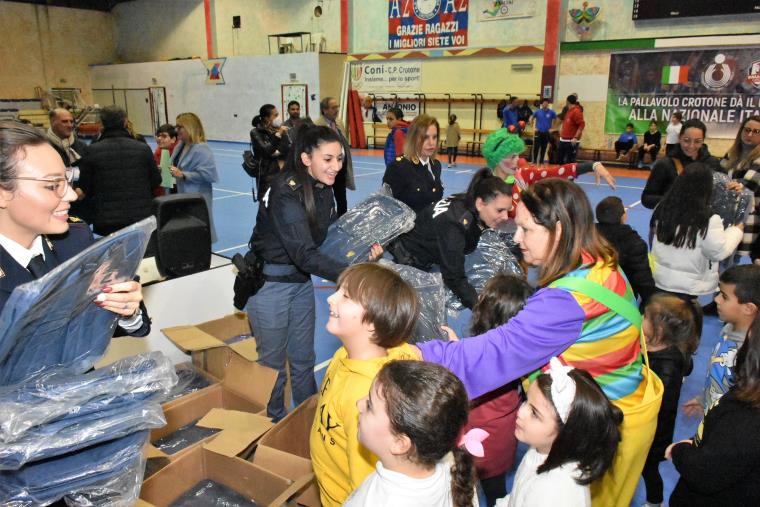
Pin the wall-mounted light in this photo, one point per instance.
(522, 66)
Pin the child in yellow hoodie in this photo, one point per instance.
(373, 313)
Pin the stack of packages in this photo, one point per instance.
(65, 431)
(380, 219)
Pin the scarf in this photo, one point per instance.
(65, 145)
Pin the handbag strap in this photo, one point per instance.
(679, 166)
(608, 298)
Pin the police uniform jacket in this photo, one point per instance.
(417, 185)
(283, 236)
(443, 234)
(57, 250)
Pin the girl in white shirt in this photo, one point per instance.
(412, 419)
(572, 430)
(672, 132)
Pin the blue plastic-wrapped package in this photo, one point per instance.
(733, 206)
(377, 219)
(52, 322)
(491, 256)
(44, 482)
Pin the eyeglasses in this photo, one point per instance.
(750, 131)
(57, 185)
(695, 142)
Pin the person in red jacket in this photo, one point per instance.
(571, 131)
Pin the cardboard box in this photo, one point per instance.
(203, 463)
(234, 365)
(240, 421)
(284, 449)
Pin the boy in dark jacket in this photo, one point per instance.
(633, 254)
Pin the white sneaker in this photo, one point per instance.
(453, 164)
(448, 165)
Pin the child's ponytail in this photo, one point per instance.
(462, 478)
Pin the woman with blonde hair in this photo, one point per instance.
(415, 177)
(742, 163)
(193, 162)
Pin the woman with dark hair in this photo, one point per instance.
(450, 229)
(291, 224)
(584, 312)
(651, 144)
(415, 178)
(742, 163)
(689, 239)
(36, 234)
(691, 147)
(270, 143)
(721, 466)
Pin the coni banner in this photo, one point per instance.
(721, 87)
(427, 24)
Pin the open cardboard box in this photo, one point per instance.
(237, 418)
(284, 449)
(234, 365)
(204, 463)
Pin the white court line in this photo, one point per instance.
(230, 196)
(464, 171)
(231, 248)
(231, 191)
(322, 365)
(633, 205)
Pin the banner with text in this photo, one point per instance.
(393, 76)
(721, 87)
(492, 10)
(427, 24)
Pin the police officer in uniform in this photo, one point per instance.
(415, 178)
(448, 230)
(291, 225)
(36, 232)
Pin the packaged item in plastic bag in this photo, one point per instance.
(212, 494)
(732, 206)
(377, 219)
(60, 437)
(491, 256)
(57, 396)
(190, 379)
(183, 437)
(122, 490)
(52, 321)
(44, 482)
(431, 299)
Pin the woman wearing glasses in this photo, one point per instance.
(742, 163)
(691, 147)
(35, 233)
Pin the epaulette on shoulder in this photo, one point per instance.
(399, 158)
(75, 220)
(292, 183)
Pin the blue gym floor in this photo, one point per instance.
(235, 212)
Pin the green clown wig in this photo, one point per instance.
(500, 145)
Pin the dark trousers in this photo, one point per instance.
(652, 153)
(623, 146)
(653, 480)
(494, 488)
(453, 151)
(540, 142)
(339, 190)
(567, 152)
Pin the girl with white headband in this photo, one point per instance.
(572, 430)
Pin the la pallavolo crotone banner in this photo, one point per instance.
(721, 87)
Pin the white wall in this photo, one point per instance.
(225, 110)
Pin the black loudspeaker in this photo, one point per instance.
(235, 21)
(183, 234)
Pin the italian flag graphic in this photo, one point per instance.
(675, 74)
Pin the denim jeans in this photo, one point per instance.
(282, 320)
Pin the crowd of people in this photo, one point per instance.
(584, 365)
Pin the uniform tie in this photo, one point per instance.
(37, 266)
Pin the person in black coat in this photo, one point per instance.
(633, 254)
(118, 176)
(36, 233)
(446, 231)
(270, 144)
(651, 145)
(415, 178)
(690, 148)
(721, 465)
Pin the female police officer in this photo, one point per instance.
(448, 230)
(35, 233)
(292, 223)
